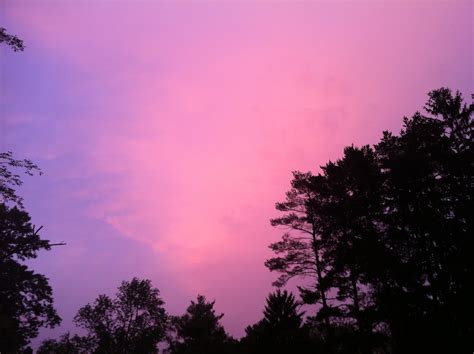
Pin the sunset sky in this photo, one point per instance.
(167, 130)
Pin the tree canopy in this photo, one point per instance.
(26, 300)
(135, 321)
(386, 234)
(281, 330)
(199, 330)
(12, 41)
(10, 180)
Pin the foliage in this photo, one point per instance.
(423, 287)
(281, 329)
(26, 304)
(10, 180)
(12, 41)
(26, 301)
(66, 344)
(390, 235)
(299, 253)
(133, 322)
(199, 330)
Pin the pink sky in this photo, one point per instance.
(168, 130)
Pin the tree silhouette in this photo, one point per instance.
(9, 180)
(299, 253)
(352, 225)
(133, 322)
(388, 231)
(423, 289)
(199, 331)
(26, 301)
(67, 344)
(281, 330)
(13, 41)
(281, 311)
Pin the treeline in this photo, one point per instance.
(386, 236)
(135, 321)
(381, 240)
(382, 236)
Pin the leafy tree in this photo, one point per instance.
(300, 251)
(281, 311)
(423, 289)
(199, 331)
(393, 232)
(133, 322)
(281, 330)
(67, 344)
(346, 338)
(336, 215)
(13, 41)
(26, 301)
(9, 180)
(352, 223)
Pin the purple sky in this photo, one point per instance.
(168, 130)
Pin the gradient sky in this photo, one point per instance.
(168, 130)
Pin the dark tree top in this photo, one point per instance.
(10, 180)
(13, 41)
